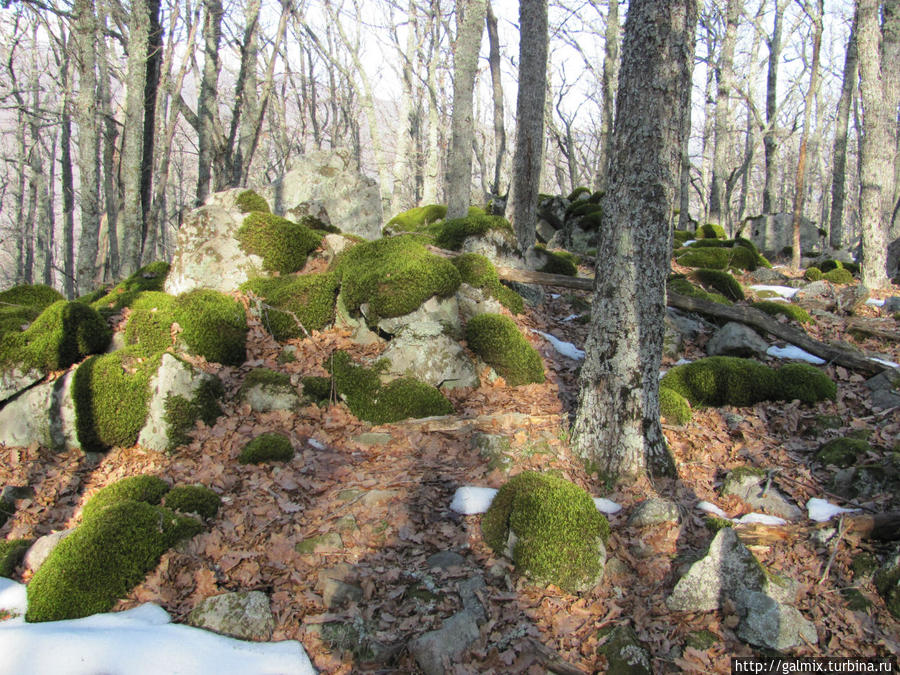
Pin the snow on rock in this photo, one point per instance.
(884, 362)
(606, 506)
(469, 500)
(571, 317)
(821, 510)
(792, 352)
(760, 518)
(565, 348)
(689, 242)
(709, 507)
(783, 291)
(139, 641)
(318, 445)
(875, 302)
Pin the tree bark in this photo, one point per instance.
(206, 103)
(67, 177)
(610, 81)
(497, 90)
(617, 426)
(109, 251)
(839, 156)
(770, 137)
(891, 70)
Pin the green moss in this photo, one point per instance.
(282, 244)
(557, 526)
(842, 451)
(417, 219)
(149, 327)
(804, 382)
(710, 231)
(11, 553)
(37, 297)
(681, 236)
(863, 565)
(887, 581)
(712, 243)
(308, 297)
(829, 265)
(855, 600)
(721, 380)
(560, 262)
(851, 267)
(678, 283)
(394, 276)
(144, 488)
(249, 200)
(452, 233)
(103, 559)
(702, 639)
(213, 325)
(265, 376)
(319, 225)
(497, 340)
(268, 447)
(576, 194)
(838, 276)
(674, 407)
(719, 258)
(181, 414)
(317, 388)
(812, 274)
(793, 312)
(197, 499)
(478, 271)
(714, 524)
(111, 394)
(61, 335)
(149, 278)
(583, 208)
(721, 281)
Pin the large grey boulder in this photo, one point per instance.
(245, 615)
(15, 378)
(352, 200)
(498, 246)
(736, 339)
(436, 650)
(771, 624)
(474, 301)
(436, 359)
(44, 414)
(434, 316)
(754, 488)
(772, 232)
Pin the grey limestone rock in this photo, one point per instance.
(753, 489)
(654, 511)
(244, 614)
(436, 650)
(736, 339)
(44, 414)
(41, 549)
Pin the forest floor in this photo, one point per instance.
(398, 494)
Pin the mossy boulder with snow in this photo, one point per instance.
(479, 272)
(151, 277)
(282, 244)
(296, 302)
(268, 447)
(550, 528)
(497, 340)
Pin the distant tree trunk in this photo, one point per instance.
(403, 174)
(529, 153)
(151, 93)
(841, 124)
(206, 103)
(610, 81)
(891, 69)
(800, 184)
(431, 169)
(497, 89)
(67, 178)
(469, 21)
(617, 429)
(110, 155)
(684, 194)
(770, 137)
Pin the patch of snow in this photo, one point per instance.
(783, 291)
(709, 507)
(606, 506)
(884, 362)
(682, 362)
(760, 518)
(821, 510)
(554, 296)
(469, 500)
(571, 317)
(318, 445)
(689, 242)
(792, 352)
(567, 349)
(139, 641)
(875, 302)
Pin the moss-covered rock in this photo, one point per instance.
(20, 305)
(887, 581)
(559, 534)
(316, 388)
(721, 281)
(829, 264)
(721, 380)
(625, 653)
(213, 325)
(417, 219)
(103, 559)
(268, 447)
(804, 382)
(710, 231)
(674, 407)
(11, 553)
(794, 312)
(719, 258)
(479, 272)
(181, 413)
(144, 488)
(842, 451)
(681, 236)
(560, 262)
(282, 244)
(812, 274)
(149, 278)
(581, 193)
(838, 276)
(149, 327)
(308, 299)
(452, 233)
(497, 340)
(394, 276)
(197, 499)
(678, 283)
(249, 201)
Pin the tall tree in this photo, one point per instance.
(209, 87)
(839, 156)
(610, 81)
(529, 154)
(497, 90)
(470, 18)
(617, 427)
(770, 135)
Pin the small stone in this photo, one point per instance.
(245, 615)
(336, 592)
(773, 625)
(654, 511)
(468, 593)
(372, 438)
(445, 560)
(625, 654)
(378, 497)
(323, 543)
(347, 524)
(750, 487)
(42, 548)
(446, 643)
(736, 339)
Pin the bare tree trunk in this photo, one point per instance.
(110, 153)
(403, 191)
(891, 70)
(67, 177)
(684, 196)
(528, 158)
(617, 429)
(431, 171)
(206, 104)
(151, 94)
(839, 156)
(610, 81)
(770, 137)
(469, 21)
(497, 89)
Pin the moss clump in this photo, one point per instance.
(308, 297)
(842, 451)
(710, 231)
(248, 201)
(581, 193)
(149, 278)
(11, 553)
(887, 581)
(213, 325)
(149, 327)
(714, 524)
(317, 388)
(678, 283)
(674, 407)
(793, 312)
(560, 262)
(369, 400)
(417, 219)
(452, 233)
(394, 276)
(144, 488)
(812, 274)
(181, 414)
(829, 265)
(838, 276)
(476, 270)
(265, 377)
(721, 380)
(583, 208)
(863, 565)
(111, 393)
(103, 559)
(559, 532)
(197, 499)
(721, 281)
(804, 382)
(318, 224)
(269, 447)
(20, 305)
(719, 258)
(282, 244)
(681, 236)
(61, 335)
(497, 340)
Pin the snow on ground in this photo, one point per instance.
(760, 518)
(709, 507)
(318, 445)
(783, 291)
(469, 500)
(571, 317)
(792, 352)
(875, 302)
(139, 641)
(606, 506)
(565, 348)
(821, 510)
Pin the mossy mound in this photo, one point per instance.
(308, 297)
(497, 340)
(394, 276)
(678, 283)
(560, 262)
(264, 377)
(583, 208)
(213, 325)
(269, 447)
(838, 276)
(719, 258)
(11, 553)
(103, 559)
(111, 394)
(804, 382)
(149, 327)
(887, 581)
(842, 451)
(674, 407)
(144, 488)
(793, 312)
(710, 231)
(149, 278)
(181, 414)
(828, 265)
(318, 389)
(370, 400)
(721, 281)
(63, 334)
(681, 236)
(478, 271)
(559, 532)
(581, 193)
(20, 305)
(282, 244)
(197, 499)
(452, 233)
(418, 218)
(249, 201)
(812, 274)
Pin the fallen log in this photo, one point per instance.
(882, 526)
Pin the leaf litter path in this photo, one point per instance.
(389, 503)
